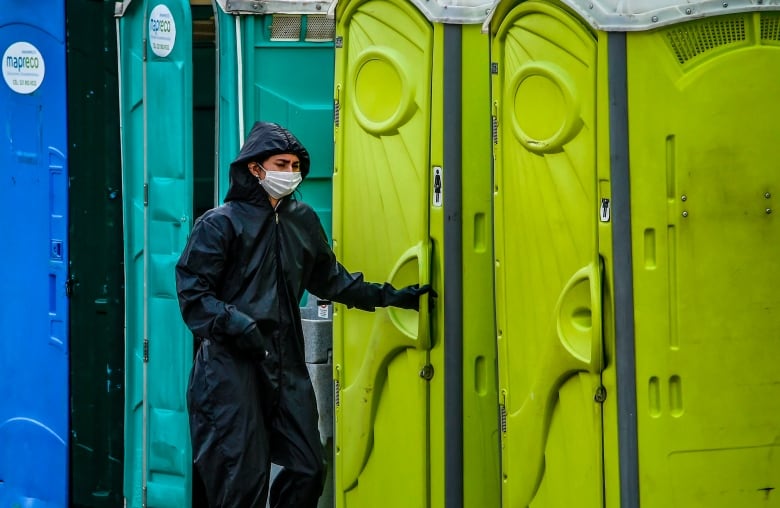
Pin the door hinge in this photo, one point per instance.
(336, 112)
(494, 128)
(146, 194)
(146, 350)
(338, 42)
(502, 413)
(143, 51)
(336, 392)
(493, 67)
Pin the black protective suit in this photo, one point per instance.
(239, 281)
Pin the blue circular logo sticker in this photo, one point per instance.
(162, 31)
(23, 67)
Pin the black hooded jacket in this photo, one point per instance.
(246, 262)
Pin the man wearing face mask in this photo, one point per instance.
(239, 280)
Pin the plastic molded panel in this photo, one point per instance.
(298, 94)
(34, 346)
(157, 169)
(548, 274)
(704, 181)
(381, 228)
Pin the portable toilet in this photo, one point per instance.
(275, 64)
(190, 73)
(34, 422)
(96, 279)
(155, 97)
(634, 229)
(416, 402)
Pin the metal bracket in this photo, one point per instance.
(276, 6)
(120, 8)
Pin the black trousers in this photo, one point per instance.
(245, 414)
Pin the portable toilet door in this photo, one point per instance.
(416, 403)
(276, 65)
(97, 330)
(155, 55)
(34, 427)
(548, 268)
(678, 209)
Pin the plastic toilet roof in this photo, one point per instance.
(635, 15)
(606, 15)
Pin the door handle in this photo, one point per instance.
(415, 326)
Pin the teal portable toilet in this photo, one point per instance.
(192, 81)
(276, 64)
(155, 59)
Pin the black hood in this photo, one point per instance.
(264, 140)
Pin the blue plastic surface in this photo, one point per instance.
(34, 406)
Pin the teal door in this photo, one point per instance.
(278, 67)
(155, 48)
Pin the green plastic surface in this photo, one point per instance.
(704, 180)
(548, 270)
(97, 344)
(381, 183)
(390, 212)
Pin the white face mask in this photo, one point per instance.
(279, 184)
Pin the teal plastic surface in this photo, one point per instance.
(156, 109)
(287, 74)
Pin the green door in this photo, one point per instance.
(155, 47)
(548, 273)
(381, 192)
(97, 346)
(704, 180)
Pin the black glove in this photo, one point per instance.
(408, 297)
(252, 341)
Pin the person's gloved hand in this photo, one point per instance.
(409, 296)
(252, 341)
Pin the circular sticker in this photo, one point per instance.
(162, 31)
(23, 67)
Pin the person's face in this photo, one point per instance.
(287, 162)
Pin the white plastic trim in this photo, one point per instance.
(637, 15)
(460, 12)
(221, 5)
(120, 8)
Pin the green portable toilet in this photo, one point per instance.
(96, 259)
(416, 404)
(155, 59)
(634, 252)
(275, 62)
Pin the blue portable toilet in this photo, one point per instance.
(34, 316)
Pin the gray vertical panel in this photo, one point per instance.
(453, 268)
(624, 282)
